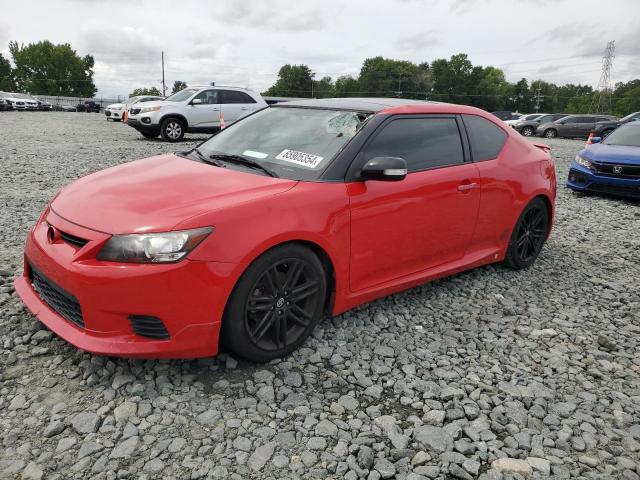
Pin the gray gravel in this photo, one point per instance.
(490, 374)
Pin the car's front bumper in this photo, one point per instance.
(143, 127)
(188, 297)
(584, 180)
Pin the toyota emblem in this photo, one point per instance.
(617, 169)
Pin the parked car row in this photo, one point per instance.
(26, 102)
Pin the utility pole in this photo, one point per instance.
(604, 85)
(164, 87)
(538, 99)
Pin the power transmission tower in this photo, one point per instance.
(538, 99)
(604, 85)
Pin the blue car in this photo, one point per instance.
(611, 165)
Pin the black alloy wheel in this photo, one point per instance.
(276, 304)
(550, 133)
(528, 236)
(527, 131)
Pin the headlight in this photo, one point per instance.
(150, 109)
(153, 247)
(583, 161)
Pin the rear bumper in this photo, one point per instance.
(188, 297)
(584, 180)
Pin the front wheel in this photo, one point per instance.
(172, 130)
(551, 133)
(528, 236)
(527, 131)
(276, 304)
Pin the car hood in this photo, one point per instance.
(116, 105)
(157, 193)
(620, 154)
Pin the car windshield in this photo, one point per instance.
(568, 119)
(182, 95)
(530, 117)
(131, 100)
(294, 143)
(629, 117)
(625, 135)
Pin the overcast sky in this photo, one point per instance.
(244, 42)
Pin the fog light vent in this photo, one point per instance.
(148, 326)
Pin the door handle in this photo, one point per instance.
(244, 108)
(465, 187)
(215, 109)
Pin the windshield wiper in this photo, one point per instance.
(243, 161)
(206, 159)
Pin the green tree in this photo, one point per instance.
(346, 86)
(46, 69)
(154, 91)
(626, 97)
(453, 78)
(493, 90)
(520, 99)
(384, 77)
(323, 88)
(6, 75)
(293, 81)
(178, 85)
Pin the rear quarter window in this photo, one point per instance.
(487, 139)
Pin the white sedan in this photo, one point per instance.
(115, 111)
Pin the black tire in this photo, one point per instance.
(172, 129)
(528, 236)
(149, 135)
(285, 287)
(527, 131)
(550, 133)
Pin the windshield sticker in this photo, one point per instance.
(299, 158)
(251, 153)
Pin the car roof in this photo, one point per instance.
(390, 106)
(351, 103)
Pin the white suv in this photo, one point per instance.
(195, 109)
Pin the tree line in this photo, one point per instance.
(43, 68)
(455, 80)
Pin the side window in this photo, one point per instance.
(423, 142)
(572, 120)
(487, 139)
(233, 96)
(208, 97)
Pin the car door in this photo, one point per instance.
(425, 220)
(585, 125)
(236, 105)
(207, 113)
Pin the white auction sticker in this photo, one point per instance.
(254, 154)
(300, 158)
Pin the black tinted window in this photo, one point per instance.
(232, 96)
(422, 142)
(487, 139)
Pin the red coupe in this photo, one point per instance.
(298, 211)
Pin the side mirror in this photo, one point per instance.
(385, 168)
(596, 139)
(196, 101)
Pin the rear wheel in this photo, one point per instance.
(528, 236)
(276, 304)
(551, 133)
(172, 129)
(527, 131)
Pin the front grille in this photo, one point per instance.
(148, 326)
(72, 239)
(134, 111)
(616, 190)
(65, 304)
(607, 170)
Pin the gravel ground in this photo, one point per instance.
(489, 374)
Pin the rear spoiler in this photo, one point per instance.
(542, 146)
